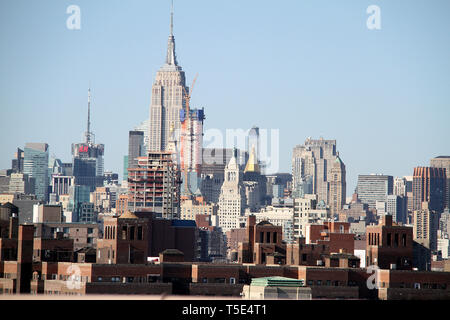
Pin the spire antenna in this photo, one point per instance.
(171, 58)
(171, 19)
(88, 132)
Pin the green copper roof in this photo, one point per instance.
(277, 282)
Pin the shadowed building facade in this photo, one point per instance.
(429, 185)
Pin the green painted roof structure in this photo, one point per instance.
(277, 282)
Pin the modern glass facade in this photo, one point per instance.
(36, 166)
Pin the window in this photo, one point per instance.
(232, 280)
(132, 233)
(389, 240)
(274, 237)
(261, 237)
(396, 240)
(404, 240)
(124, 233)
(268, 237)
(139, 235)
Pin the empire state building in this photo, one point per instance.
(167, 100)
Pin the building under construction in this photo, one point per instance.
(191, 150)
(154, 185)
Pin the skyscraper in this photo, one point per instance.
(213, 170)
(429, 186)
(399, 188)
(144, 127)
(255, 183)
(191, 149)
(154, 185)
(426, 224)
(135, 147)
(396, 206)
(232, 196)
(88, 158)
(253, 141)
(443, 162)
(313, 162)
(168, 99)
(338, 186)
(17, 162)
(36, 166)
(374, 187)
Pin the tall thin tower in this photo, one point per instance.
(88, 164)
(88, 132)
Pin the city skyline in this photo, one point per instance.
(400, 69)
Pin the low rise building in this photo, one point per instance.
(389, 245)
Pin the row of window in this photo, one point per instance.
(127, 233)
(374, 239)
(267, 237)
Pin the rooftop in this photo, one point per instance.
(277, 282)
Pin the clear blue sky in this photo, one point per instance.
(308, 68)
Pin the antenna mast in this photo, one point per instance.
(88, 132)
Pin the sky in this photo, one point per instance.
(307, 68)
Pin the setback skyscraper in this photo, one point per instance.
(168, 99)
(232, 196)
(312, 164)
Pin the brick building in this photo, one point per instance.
(389, 245)
(263, 239)
(133, 237)
(301, 253)
(332, 233)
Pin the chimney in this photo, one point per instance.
(251, 220)
(24, 258)
(387, 220)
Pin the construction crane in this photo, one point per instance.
(187, 131)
